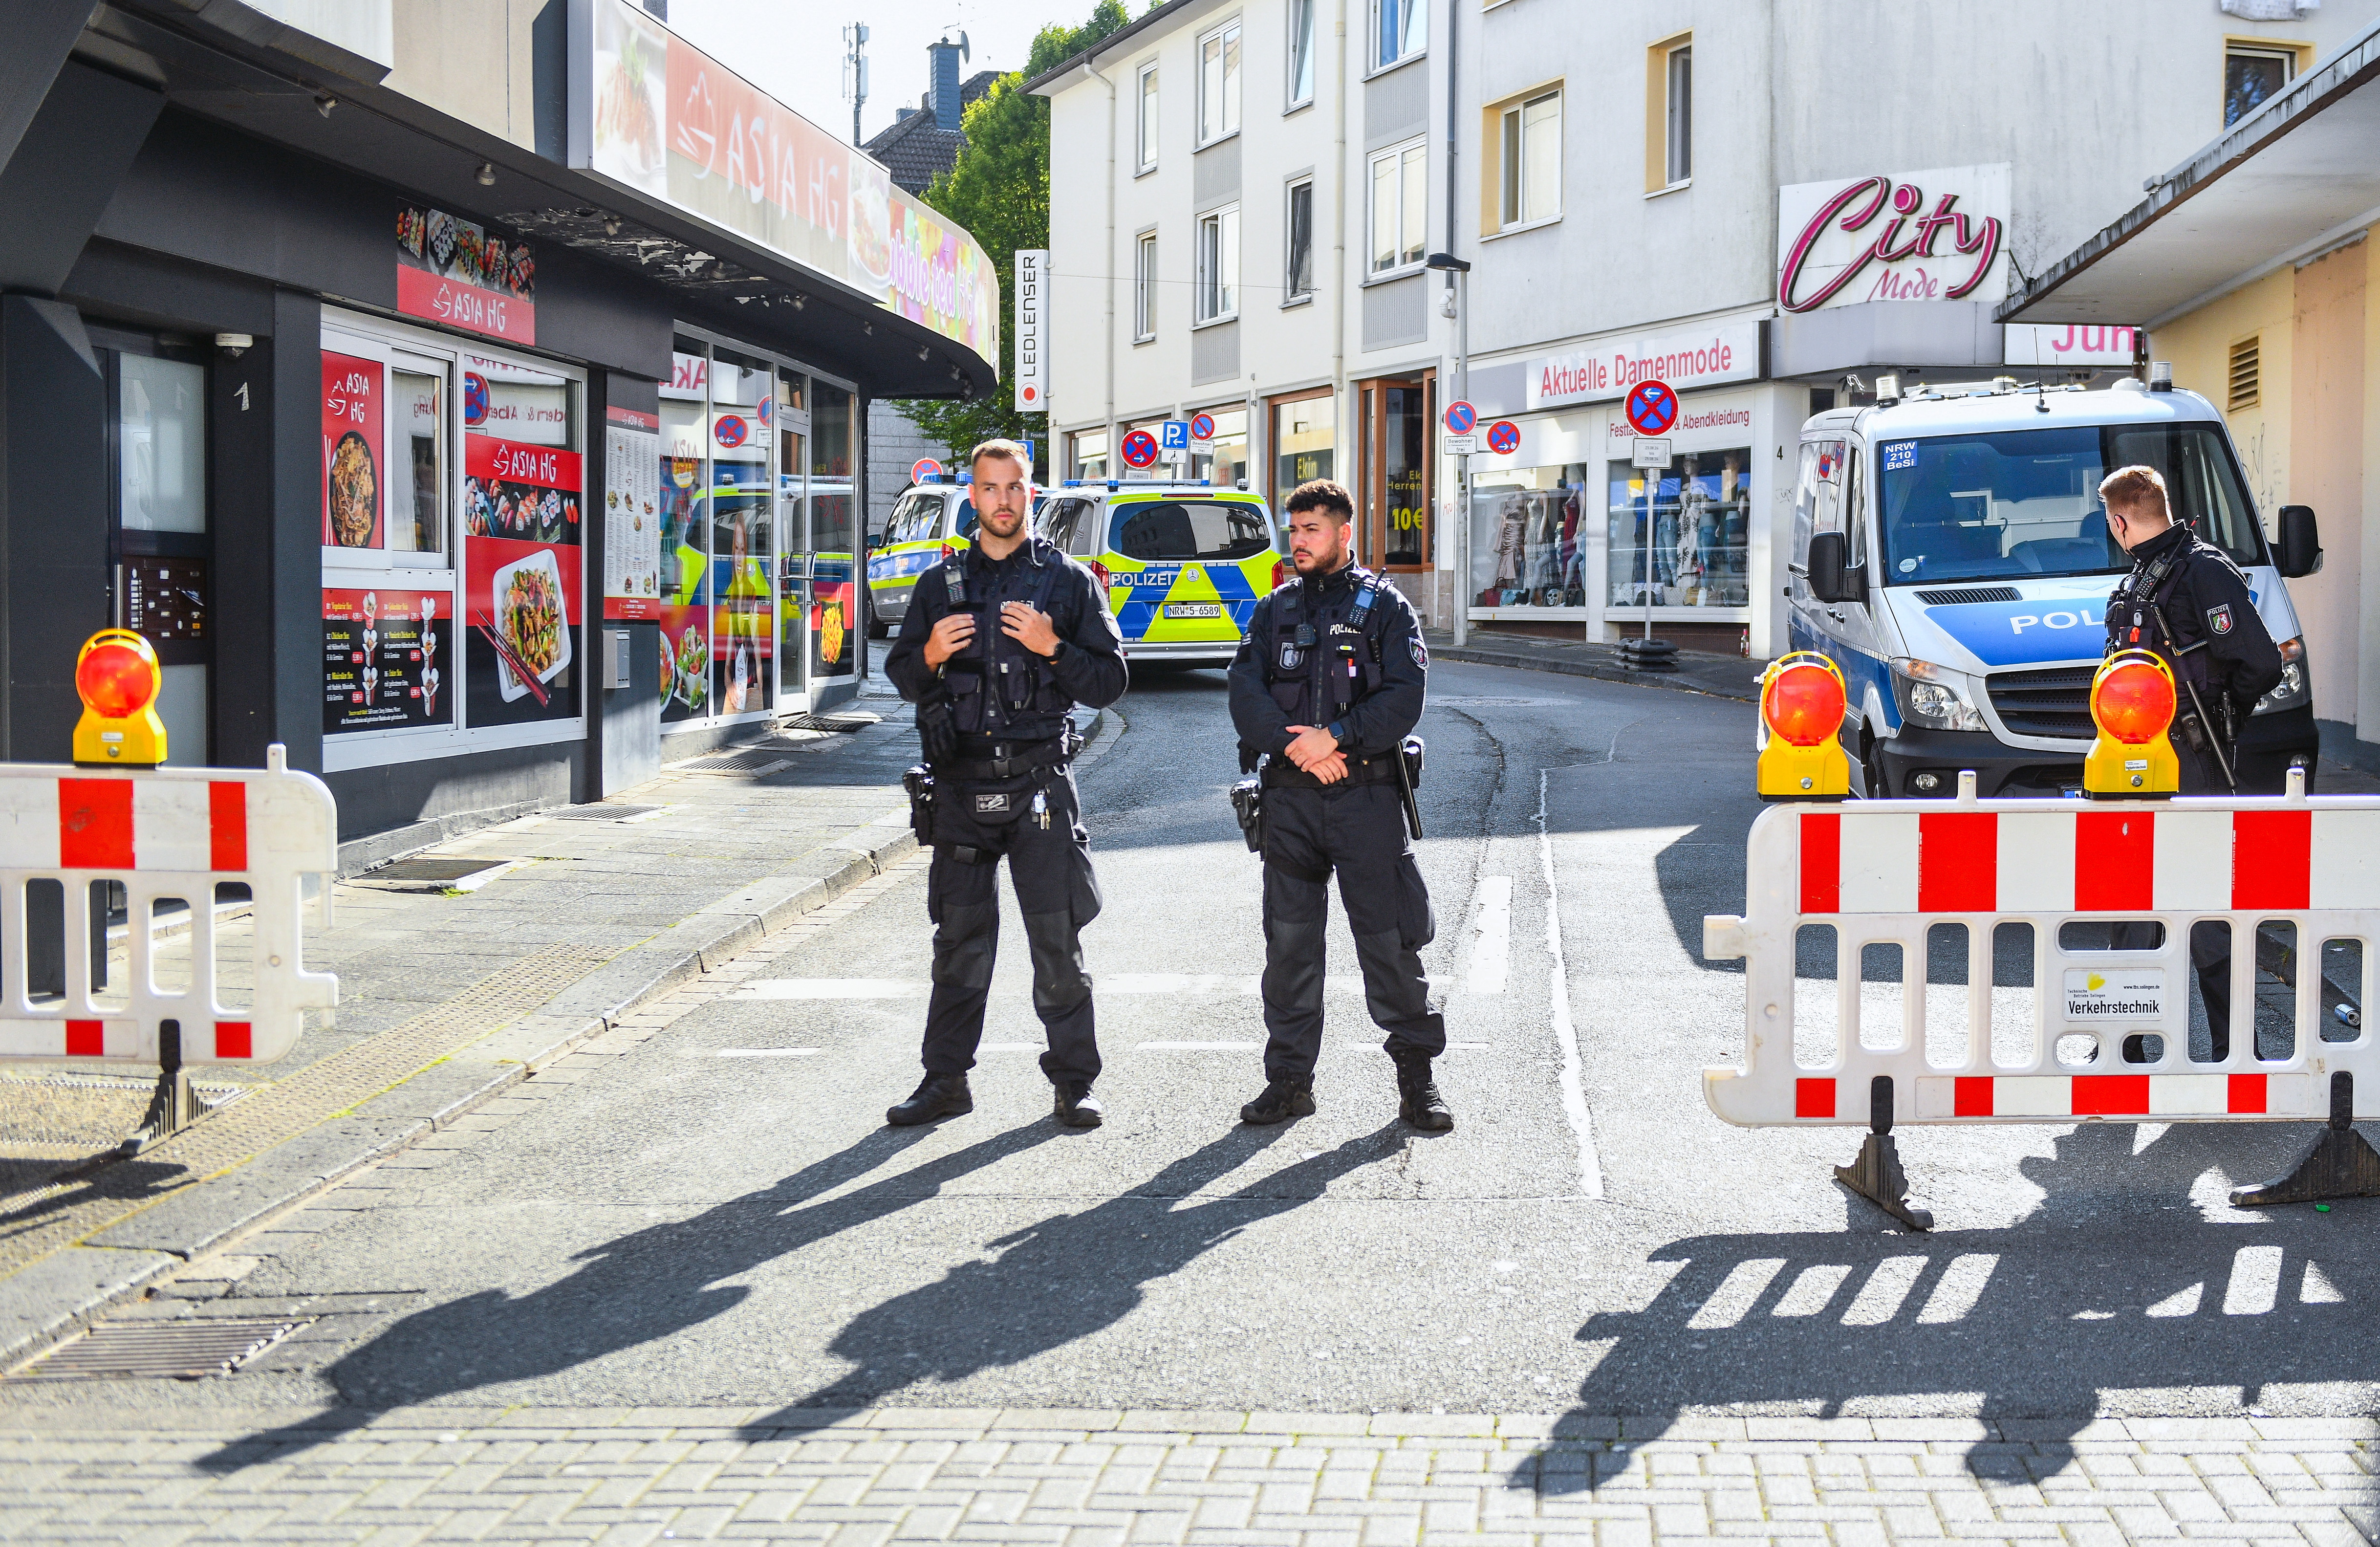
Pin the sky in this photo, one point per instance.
(793, 49)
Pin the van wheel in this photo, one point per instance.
(1872, 773)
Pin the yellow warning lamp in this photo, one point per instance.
(1801, 702)
(118, 677)
(2131, 702)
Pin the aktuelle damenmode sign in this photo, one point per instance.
(1709, 355)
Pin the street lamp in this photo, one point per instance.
(1460, 272)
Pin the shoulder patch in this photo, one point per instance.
(1420, 651)
(2219, 619)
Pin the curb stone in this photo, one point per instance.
(58, 1295)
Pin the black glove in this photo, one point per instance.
(938, 727)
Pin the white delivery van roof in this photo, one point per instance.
(1984, 410)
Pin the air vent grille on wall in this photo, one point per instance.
(2247, 370)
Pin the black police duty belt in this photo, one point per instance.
(1006, 760)
(1281, 773)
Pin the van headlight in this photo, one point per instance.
(2296, 687)
(1935, 696)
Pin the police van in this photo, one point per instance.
(1185, 562)
(928, 520)
(1950, 553)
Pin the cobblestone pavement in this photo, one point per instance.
(884, 1475)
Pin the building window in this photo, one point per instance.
(2247, 373)
(1090, 454)
(1143, 287)
(1219, 84)
(1223, 460)
(1400, 213)
(1530, 146)
(1304, 440)
(1148, 116)
(1679, 165)
(1400, 30)
(1219, 265)
(1301, 52)
(1300, 275)
(2252, 77)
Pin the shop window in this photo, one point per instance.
(1148, 116)
(418, 513)
(743, 520)
(1668, 114)
(1219, 84)
(1399, 207)
(1400, 30)
(1298, 280)
(1680, 536)
(1218, 288)
(1301, 52)
(1305, 443)
(1224, 459)
(1143, 287)
(1531, 537)
(162, 444)
(833, 594)
(2252, 76)
(1090, 456)
(1529, 147)
(1393, 501)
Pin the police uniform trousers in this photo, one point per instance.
(1359, 832)
(1056, 892)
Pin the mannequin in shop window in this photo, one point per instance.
(1697, 525)
(1512, 515)
(1573, 576)
(1544, 550)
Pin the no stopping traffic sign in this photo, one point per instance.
(1503, 437)
(1652, 408)
(1139, 449)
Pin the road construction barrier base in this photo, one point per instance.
(2340, 1164)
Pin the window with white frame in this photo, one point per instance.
(1219, 84)
(1143, 287)
(1301, 52)
(1148, 116)
(1298, 277)
(1219, 265)
(1679, 165)
(1400, 30)
(1400, 206)
(1530, 151)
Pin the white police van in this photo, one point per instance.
(1951, 555)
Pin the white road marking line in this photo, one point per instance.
(1582, 1122)
(2255, 1285)
(766, 1052)
(1199, 1047)
(1491, 950)
(830, 988)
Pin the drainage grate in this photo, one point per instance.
(596, 812)
(763, 761)
(844, 723)
(189, 1350)
(432, 869)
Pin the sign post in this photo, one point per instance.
(1652, 410)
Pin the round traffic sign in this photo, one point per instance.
(1202, 427)
(1461, 417)
(729, 430)
(1503, 437)
(923, 468)
(1139, 449)
(1652, 408)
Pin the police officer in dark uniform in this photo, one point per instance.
(2186, 601)
(1000, 643)
(1328, 683)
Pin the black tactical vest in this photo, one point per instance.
(1317, 669)
(998, 686)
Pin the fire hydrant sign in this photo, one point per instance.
(2114, 995)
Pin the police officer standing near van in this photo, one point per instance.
(2186, 601)
(1327, 685)
(1001, 641)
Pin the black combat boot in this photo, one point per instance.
(1418, 1101)
(936, 1096)
(1281, 1099)
(1077, 1108)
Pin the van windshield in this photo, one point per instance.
(2025, 503)
(1191, 529)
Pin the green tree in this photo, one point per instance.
(998, 189)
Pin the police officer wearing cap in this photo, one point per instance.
(2186, 601)
(1327, 686)
(1001, 641)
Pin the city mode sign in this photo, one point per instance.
(1912, 235)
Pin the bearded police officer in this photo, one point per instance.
(1326, 687)
(2186, 601)
(1000, 641)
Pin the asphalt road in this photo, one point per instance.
(721, 1217)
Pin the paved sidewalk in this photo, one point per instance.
(1727, 676)
(445, 1000)
(884, 1475)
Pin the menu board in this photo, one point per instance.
(354, 428)
(522, 581)
(632, 515)
(384, 659)
(166, 599)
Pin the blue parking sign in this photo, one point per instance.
(1174, 435)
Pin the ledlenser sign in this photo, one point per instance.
(1913, 236)
(663, 121)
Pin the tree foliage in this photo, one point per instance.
(998, 189)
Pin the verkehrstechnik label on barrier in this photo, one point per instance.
(2102, 997)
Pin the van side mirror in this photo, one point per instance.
(1832, 578)
(2300, 542)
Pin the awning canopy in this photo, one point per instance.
(2300, 174)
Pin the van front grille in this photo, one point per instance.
(2056, 702)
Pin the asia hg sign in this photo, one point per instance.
(1684, 358)
(1032, 289)
(1913, 236)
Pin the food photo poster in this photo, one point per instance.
(353, 426)
(522, 541)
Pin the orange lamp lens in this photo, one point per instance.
(115, 681)
(2133, 703)
(1804, 704)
